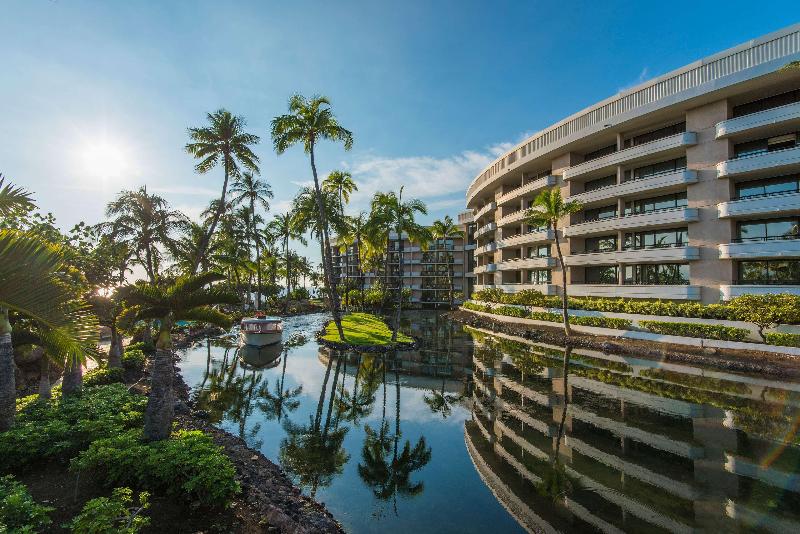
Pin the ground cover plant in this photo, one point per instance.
(364, 329)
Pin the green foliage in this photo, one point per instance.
(102, 376)
(510, 311)
(188, 464)
(709, 331)
(60, 427)
(767, 310)
(546, 316)
(363, 329)
(489, 295)
(142, 346)
(783, 339)
(112, 515)
(476, 307)
(299, 293)
(18, 511)
(602, 322)
(551, 317)
(134, 360)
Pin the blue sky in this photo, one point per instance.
(96, 96)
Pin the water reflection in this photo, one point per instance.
(577, 440)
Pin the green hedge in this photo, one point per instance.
(510, 311)
(134, 359)
(476, 307)
(602, 322)
(102, 376)
(551, 317)
(726, 333)
(783, 339)
(545, 316)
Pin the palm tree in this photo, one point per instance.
(398, 215)
(144, 222)
(444, 229)
(309, 121)
(186, 299)
(285, 227)
(223, 142)
(249, 189)
(341, 183)
(356, 235)
(547, 210)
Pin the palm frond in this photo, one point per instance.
(206, 314)
(14, 199)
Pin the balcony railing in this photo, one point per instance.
(767, 282)
(767, 238)
(761, 163)
(759, 120)
(530, 187)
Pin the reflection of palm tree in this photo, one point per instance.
(555, 483)
(358, 404)
(281, 401)
(441, 402)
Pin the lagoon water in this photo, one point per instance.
(458, 436)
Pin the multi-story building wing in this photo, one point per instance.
(689, 184)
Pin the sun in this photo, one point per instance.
(105, 159)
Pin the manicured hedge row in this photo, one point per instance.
(709, 331)
(512, 311)
(783, 339)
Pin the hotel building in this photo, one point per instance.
(689, 186)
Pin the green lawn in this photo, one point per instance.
(363, 329)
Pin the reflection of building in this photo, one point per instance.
(426, 272)
(650, 446)
(689, 186)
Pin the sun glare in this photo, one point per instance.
(104, 159)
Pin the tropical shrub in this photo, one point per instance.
(134, 360)
(102, 376)
(299, 293)
(140, 345)
(112, 515)
(476, 307)
(489, 295)
(546, 316)
(511, 311)
(187, 465)
(783, 339)
(60, 427)
(18, 511)
(766, 310)
(602, 322)
(709, 331)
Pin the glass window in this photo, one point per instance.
(540, 251)
(785, 272)
(770, 102)
(600, 183)
(601, 244)
(539, 276)
(663, 167)
(674, 237)
(602, 274)
(664, 274)
(655, 134)
(606, 212)
(599, 153)
(771, 186)
(762, 146)
(762, 230)
(677, 200)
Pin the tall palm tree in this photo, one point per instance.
(145, 222)
(341, 183)
(285, 227)
(400, 216)
(187, 299)
(223, 142)
(310, 121)
(249, 189)
(442, 230)
(547, 210)
(356, 236)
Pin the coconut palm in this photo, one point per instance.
(186, 299)
(547, 210)
(284, 227)
(223, 142)
(390, 210)
(145, 222)
(310, 121)
(355, 235)
(442, 230)
(254, 192)
(341, 183)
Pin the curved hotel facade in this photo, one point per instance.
(689, 185)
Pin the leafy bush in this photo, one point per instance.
(489, 295)
(102, 376)
(141, 346)
(766, 310)
(602, 322)
(112, 515)
(710, 331)
(188, 465)
(60, 427)
(476, 307)
(299, 293)
(528, 297)
(783, 339)
(134, 359)
(546, 316)
(510, 311)
(18, 511)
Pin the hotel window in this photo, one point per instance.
(676, 237)
(770, 272)
(768, 229)
(539, 276)
(540, 251)
(655, 169)
(599, 153)
(763, 146)
(602, 274)
(647, 205)
(600, 183)
(771, 186)
(764, 104)
(606, 243)
(596, 214)
(530, 228)
(655, 135)
(665, 274)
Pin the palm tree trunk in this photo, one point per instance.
(450, 278)
(567, 353)
(201, 250)
(72, 382)
(45, 389)
(160, 410)
(8, 389)
(115, 349)
(564, 300)
(288, 271)
(327, 260)
(399, 285)
(259, 287)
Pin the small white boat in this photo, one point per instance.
(261, 331)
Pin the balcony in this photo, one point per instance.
(673, 254)
(767, 163)
(635, 292)
(761, 205)
(526, 263)
(530, 237)
(654, 184)
(785, 116)
(656, 218)
(664, 146)
(547, 289)
(536, 185)
(488, 208)
(486, 249)
(488, 268)
(511, 218)
(767, 248)
(728, 292)
(485, 229)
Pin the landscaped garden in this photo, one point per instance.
(364, 329)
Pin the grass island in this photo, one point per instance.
(364, 330)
